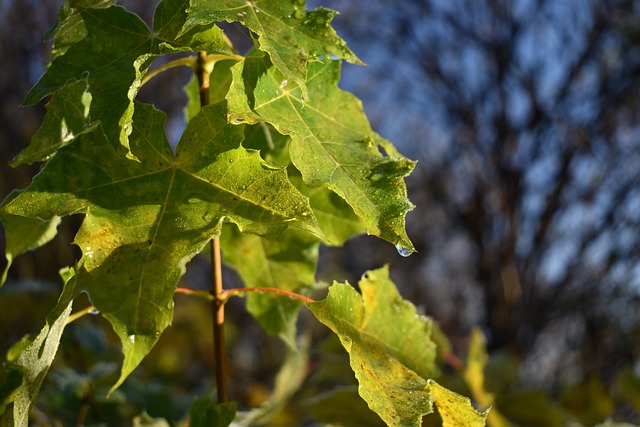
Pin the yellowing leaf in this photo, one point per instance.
(389, 346)
(455, 410)
(473, 375)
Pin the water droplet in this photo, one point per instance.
(405, 252)
(283, 83)
(132, 338)
(94, 312)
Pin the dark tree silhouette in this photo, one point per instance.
(524, 116)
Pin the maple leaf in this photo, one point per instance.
(332, 143)
(392, 353)
(389, 346)
(289, 33)
(113, 57)
(145, 220)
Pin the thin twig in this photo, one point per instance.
(188, 61)
(218, 322)
(238, 291)
(203, 71)
(75, 316)
(191, 61)
(202, 294)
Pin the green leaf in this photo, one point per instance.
(206, 413)
(27, 369)
(113, 57)
(69, 28)
(455, 410)
(336, 218)
(112, 49)
(25, 234)
(332, 143)
(145, 220)
(286, 31)
(168, 20)
(287, 262)
(389, 345)
(67, 117)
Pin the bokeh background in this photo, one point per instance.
(524, 117)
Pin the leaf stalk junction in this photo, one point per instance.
(192, 61)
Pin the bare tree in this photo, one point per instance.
(524, 116)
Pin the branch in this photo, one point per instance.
(225, 295)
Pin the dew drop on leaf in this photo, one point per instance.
(405, 252)
(94, 312)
